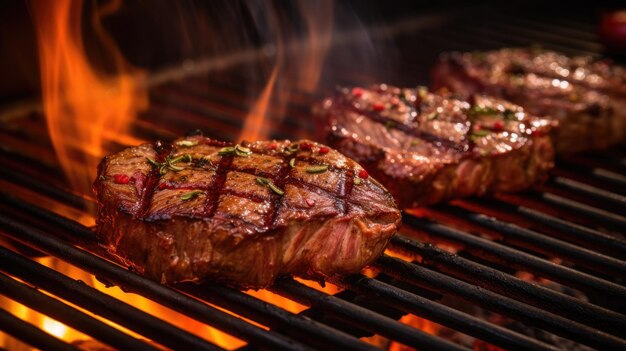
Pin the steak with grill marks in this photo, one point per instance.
(426, 148)
(243, 214)
(586, 96)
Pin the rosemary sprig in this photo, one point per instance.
(169, 164)
(235, 150)
(153, 162)
(262, 181)
(187, 143)
(242, 151)
(275, 189)
(291, 149)
(317, 169)
(225, 151)
(478, 134)
(190, 195)
(432, 115)
(509, 115)
(185, 157)
(422, 91)
(481, 111)
(268, 183)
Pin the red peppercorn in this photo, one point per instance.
(306, 145)
(498, 126)
(323, 150)
(357, 92)
(272, 146)
(377, 106)
(477, 127)
(121, 178)
(310, 202)
(395, 100)
(363, 174)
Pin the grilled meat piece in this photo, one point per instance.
(201, 209)
(587, 97)
(426, 148)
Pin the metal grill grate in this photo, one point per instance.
(569, 231)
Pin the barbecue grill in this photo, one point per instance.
(538, 270)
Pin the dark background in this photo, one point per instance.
(158, 34)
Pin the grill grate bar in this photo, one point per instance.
(68, 315)
(572, 232)
(423, 307)
(610, 176)
(31, 334)
(517, 235)
(309, 330)
(48, 189)
(361, 317)
(606, 217)
(516, 259)
(586, 189)
(602, 171)
(432, 280)
(149, 289)
(100, 303)
(520, 290)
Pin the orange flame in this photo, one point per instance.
(84, 108)
(298, 66)
(254, 127)
(320, 28)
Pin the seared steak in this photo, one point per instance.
(242, 214)
(587, 97)
(427, 148)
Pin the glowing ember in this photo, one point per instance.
(419, 323)
(53, 327)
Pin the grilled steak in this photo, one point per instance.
(242, 214)
(428, 148)
(586, 97)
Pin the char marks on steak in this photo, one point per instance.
(586, 96)
(201, 209)
(426, 148)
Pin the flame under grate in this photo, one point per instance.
(540, 270)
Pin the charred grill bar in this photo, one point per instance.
(577, 217)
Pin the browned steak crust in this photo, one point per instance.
(427, 148)
(586, 96)
(201, 209)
